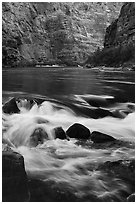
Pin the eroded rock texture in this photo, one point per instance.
(119, 43)
(54, 33)
(122, 30)
(14, 178)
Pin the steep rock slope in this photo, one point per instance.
(119, 43)
(123, 28)
(49, 33)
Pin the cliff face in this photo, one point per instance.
(122, 30)
(51, 33)
(119, 44)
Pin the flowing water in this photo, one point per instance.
(73, 170)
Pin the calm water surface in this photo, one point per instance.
(59, 82)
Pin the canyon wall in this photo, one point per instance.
(54, 33)
(119, 42)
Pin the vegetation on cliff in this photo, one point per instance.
(120, 55)
(119, 44)
(54, 33)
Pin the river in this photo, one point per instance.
(73, 170)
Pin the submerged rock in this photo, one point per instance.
(14, 178)
(10, 107)
(124, 171)
(78, 131)
(98, 101)
(131, 198)
(25, 103)
(60, 133)
(98, 137)
(38, 137)
(119, 114)
(50, 191)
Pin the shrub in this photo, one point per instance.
(113, 56)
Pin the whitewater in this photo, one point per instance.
(74, 166)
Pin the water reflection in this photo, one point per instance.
(59, 82)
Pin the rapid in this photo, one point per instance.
(74, 170)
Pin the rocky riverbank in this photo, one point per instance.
(18, 187)
(14, 177)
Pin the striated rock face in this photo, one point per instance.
(50, 33)
(122, 30)
(119, 43)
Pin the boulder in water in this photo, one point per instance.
(119, 114)
(98, 137)
(78, 131)
(14, 178)
(38, 137)
(98, 101)
(25, 103)
(10, 107)
(60, 133)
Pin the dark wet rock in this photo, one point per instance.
(60, 133)
(41, 120)
(78, 131)
(115, 144)
(100, 113)
(38, 137)
(122, 169)
(98, 137)
(118, 165)
(98, 101)
(10, 107)
(131, 198)
(25, 103)
(119, 114)
(50, 191)
(14, 178)
(39, 101)
(91, 112)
